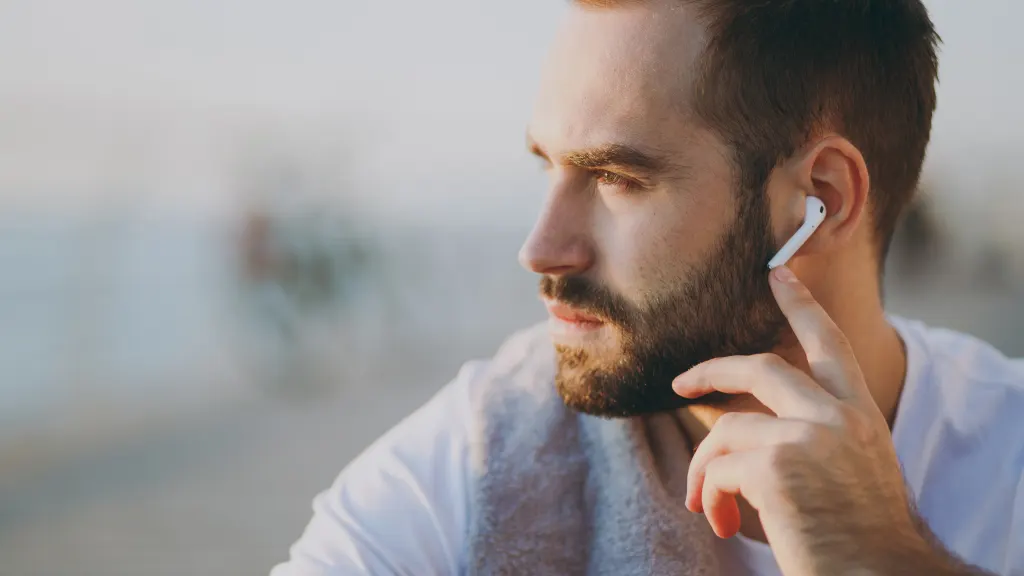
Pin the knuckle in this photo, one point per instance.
(722, 433)
(849, 414)
(714, 439)
(837, 336)
(841, 341)
(712, 471)
(725, 421)
(728, 420)
(776, 460)
(851, 422)
(807, 435)
(771, 362)
(836, 415)
(849, 417)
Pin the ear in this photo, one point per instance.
(834, 170)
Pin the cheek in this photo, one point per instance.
(652, 246)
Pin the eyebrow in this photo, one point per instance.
(605, 156)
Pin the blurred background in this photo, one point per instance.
(241, 239)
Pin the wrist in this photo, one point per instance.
(906, 551)
(925, 554)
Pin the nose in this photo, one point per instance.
(559, 244)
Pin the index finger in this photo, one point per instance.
(829, 355)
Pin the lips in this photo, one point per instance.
(571, 315)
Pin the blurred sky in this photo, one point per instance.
(421, 94)
(133, 133)
(426, 101)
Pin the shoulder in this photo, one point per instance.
(960, 439)
(962, 385)
(398, 507)
(431, 438)
(970, 376)
(402, 505)
(428, 448)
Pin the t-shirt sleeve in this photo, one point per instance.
(401, 507)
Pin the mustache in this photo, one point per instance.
(588, 296)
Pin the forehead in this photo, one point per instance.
(619, 75)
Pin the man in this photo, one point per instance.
(686, 412)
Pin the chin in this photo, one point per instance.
(620, 386)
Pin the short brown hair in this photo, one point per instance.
(776, 72)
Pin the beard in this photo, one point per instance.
(724, 308)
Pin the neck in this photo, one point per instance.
(854, 304)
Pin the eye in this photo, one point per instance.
(612, 179)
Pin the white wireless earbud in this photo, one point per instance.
(813, 218)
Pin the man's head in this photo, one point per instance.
(681, 138)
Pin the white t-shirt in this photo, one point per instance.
(402, 506)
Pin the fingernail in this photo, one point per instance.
(680, 387)
(784, 274)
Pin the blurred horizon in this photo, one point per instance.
(239, 240)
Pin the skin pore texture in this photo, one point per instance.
(651, 255)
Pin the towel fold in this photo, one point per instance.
(559, 492)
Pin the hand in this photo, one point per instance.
(822, 473)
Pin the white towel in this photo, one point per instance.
(558, 492)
